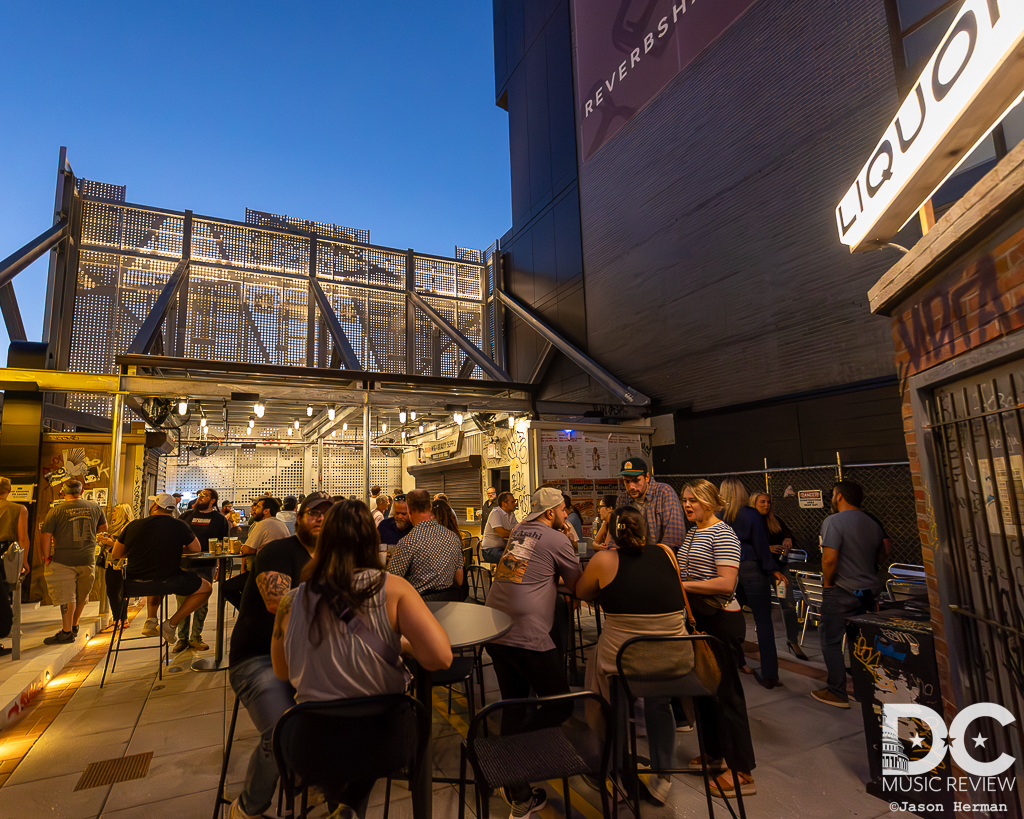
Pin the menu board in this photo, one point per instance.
(566, 454)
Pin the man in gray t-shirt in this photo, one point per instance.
(852, 543)
(69, 554)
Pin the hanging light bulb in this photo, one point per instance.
(295, 424)
(309, 410)
(458, 418)
(344, 426)
(259, 409)
(252, 422)
(289, 432)
(334, 432)
(511, 422)
(248, 430)
(202, 422)
(412, 415)
(182, 406)
(330, 413)
(421, 427)
(401, 417)
(383, 426)
(403, 434)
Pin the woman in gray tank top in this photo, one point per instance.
(339, 634)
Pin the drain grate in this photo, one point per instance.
(110, 771)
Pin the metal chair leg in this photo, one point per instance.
(387, 797)
(224, 764)
(117, 632)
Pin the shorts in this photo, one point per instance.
(183, 583)
(68, 585)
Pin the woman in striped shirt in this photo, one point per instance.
(709, 566)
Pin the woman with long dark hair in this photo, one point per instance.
(445, 515)
(638, 587)
(316, 643)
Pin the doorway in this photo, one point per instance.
(501, 480)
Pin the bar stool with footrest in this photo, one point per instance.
(135, 588)
(646, 669)
(349, 741)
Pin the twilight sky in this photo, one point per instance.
(367, 115)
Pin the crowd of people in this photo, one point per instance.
(335, 593)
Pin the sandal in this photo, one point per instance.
(714, 765)
(747, 787)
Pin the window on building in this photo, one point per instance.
(915, 29)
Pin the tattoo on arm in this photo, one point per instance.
(283, 611)
(272, 587)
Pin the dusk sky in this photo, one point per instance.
(363, 115)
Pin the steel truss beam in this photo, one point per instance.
(20, 259)
(626, 394)
(349, 360)
(150, 329)
(494, 372)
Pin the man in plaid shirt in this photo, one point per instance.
(657, 502)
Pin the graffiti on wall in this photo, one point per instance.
(518, 450)
(74, 464)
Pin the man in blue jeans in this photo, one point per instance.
(852, 544)
(276, 570)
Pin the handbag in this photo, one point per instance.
(705, 664)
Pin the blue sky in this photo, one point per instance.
(376, 116)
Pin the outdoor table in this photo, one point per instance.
(467, 625)
(217, 661)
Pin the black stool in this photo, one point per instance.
(131, 588)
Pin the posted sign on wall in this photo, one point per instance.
(972, 80)
(627, 50)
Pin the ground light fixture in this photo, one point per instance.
(330, 413)
(182, 406)
(309, 410)
(259, 409)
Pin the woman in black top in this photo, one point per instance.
(638, 588)
(780, 541)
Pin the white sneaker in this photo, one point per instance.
(168, 632)
(658, 786)
(151, 629)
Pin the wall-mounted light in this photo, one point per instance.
(309, 410)
(330, 413)
(182, 406)
(401, 417)
(259, 409)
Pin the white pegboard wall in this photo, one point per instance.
(343, 471)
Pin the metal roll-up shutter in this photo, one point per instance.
(432, 483)
(462, 486)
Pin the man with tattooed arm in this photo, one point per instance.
(276, 570)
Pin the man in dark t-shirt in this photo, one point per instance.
(276, 570)
(153, 547)
(205, 522)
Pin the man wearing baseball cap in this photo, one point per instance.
(657, 502)
(153, 546)
(525, 587)
(177, 503)
(275, 571)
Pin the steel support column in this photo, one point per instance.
(348, 356)
(11, 313)
(115, 450)
(366, 449)
(467, 346)
(410, 314)
(626, 394)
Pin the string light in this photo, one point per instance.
(289, 432)
(421, 427)
(330, 413)
(309, 410)
(344, 426)
(296, 424)
(511, 422)
(259, 409)
(202, 422)
(182, 406)
(248, 430)
(401, 417)
(458, 418)
(413, 415)
(383, 426)
(252, 422)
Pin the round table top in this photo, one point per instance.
(469, 624)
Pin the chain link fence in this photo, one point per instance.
(888, 495)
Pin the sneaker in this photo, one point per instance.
(532, 806)
(236, 812)
(74, 632)
(179, 646)
(827, 697)
(683, 727)
(167, 631)
(60, 637)
(657, 786)
(151, 629)
(198, 644)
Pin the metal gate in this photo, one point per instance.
(977, 433)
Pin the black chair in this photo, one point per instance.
(331, 744)
(460, 671)
(646, 667)
(134, 588)
(549, 751)
(479, 578)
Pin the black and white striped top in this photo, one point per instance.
(703, 551)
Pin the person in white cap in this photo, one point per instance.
(525, 587)
(154, 546)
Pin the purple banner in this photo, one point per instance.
(628, 50)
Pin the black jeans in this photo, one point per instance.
(518, 671)
(756, 584)
(724, 719)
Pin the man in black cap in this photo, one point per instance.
(275, 571)
(657, 502)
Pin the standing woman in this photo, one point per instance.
(780, 541)
(120, 517)
(757, 568)
(709, 562)
(322, 655)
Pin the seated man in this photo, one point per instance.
(500, 523)
(430, 556)
(394, 528)
(154, 547)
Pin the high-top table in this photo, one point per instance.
(223, 560)
(467, 625)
